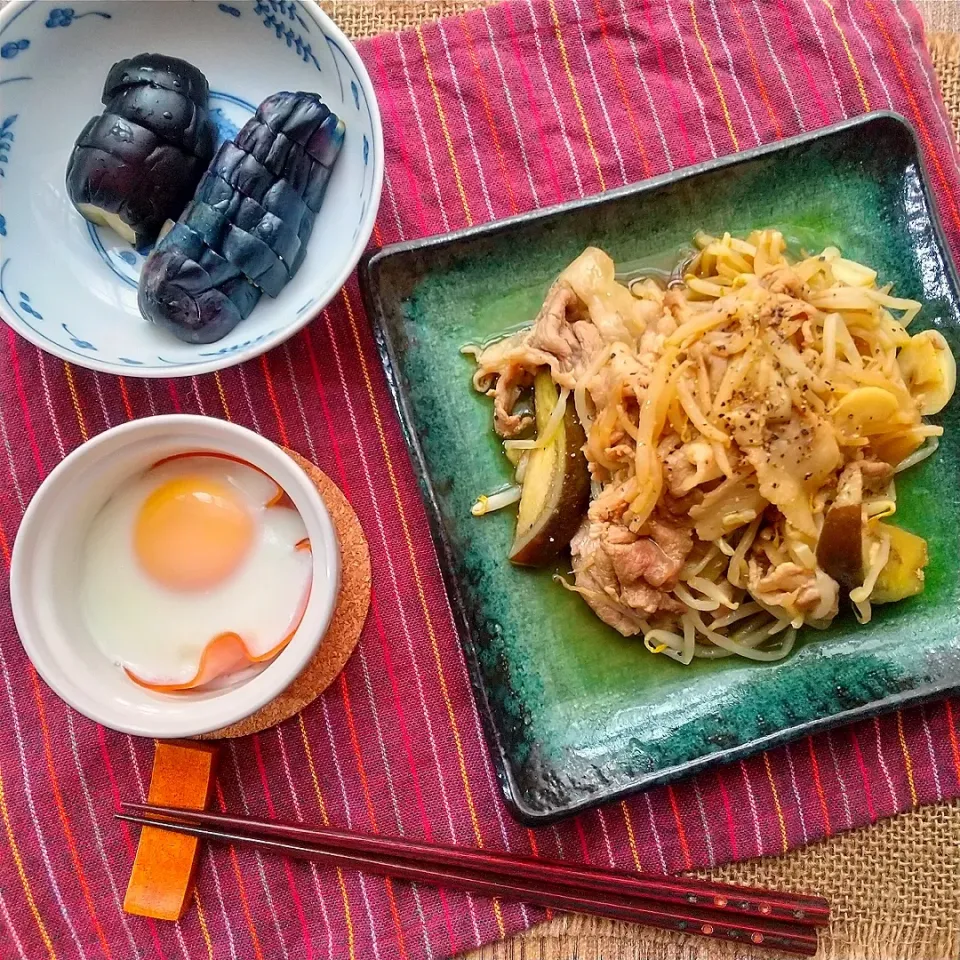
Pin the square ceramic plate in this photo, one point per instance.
(577, 714)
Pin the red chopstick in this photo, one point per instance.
(779, 920)
(794, 908)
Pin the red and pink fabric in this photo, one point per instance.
(499, 111)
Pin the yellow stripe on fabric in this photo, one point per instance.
(776, 803)
(716, 79)
(434, 644)
(75, 398)
(628, 823)
(15, 850)
(326, 822)
(446, 130)
(223, 395)
(576, 96)
(201, 918)
(846, 47)
(907, 759)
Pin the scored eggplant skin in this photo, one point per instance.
(247, 253)
(256, 260)
(290, 161)
(306, 228)
(295, 115)
(249, 222)
(170, 73)
(173, 117)
(324, 146)
(133, 175)
(269, 148)
(242, 171)
(278, 235)
(280, 200)
(137, 164)
(249, 216)
(195, 317)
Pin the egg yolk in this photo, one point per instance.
(192, 533)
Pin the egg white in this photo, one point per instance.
(160, 634)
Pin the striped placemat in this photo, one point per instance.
(396, 745)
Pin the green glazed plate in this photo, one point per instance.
(575, 713)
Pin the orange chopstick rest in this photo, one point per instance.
(162, 876)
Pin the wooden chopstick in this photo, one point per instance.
(495, 875)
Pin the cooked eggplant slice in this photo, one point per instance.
(169, 115)
(556, 486)
(192, 317)
(169, 73)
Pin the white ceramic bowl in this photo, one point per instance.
(69, 287)
(44, 579)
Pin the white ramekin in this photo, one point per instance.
(44, 579)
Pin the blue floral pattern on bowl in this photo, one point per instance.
(97, 324)
(64, 16)
(6, 141)
(274, 14)
(13, 47)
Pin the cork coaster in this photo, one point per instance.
(345, 627)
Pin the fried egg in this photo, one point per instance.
(195, 568)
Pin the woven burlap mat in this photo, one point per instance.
(895, 886)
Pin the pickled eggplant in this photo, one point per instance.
(280, 199)
(255, 260)
(270, 148)
(137, 164)
(278, 235)
(133, 183)
(242, 171)
(168, 73)
(196, 317)
(247, 227)
(248, 215)
(172, 117)
(204, 228)
(295, 115)
(290, 161)
(306, 228)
